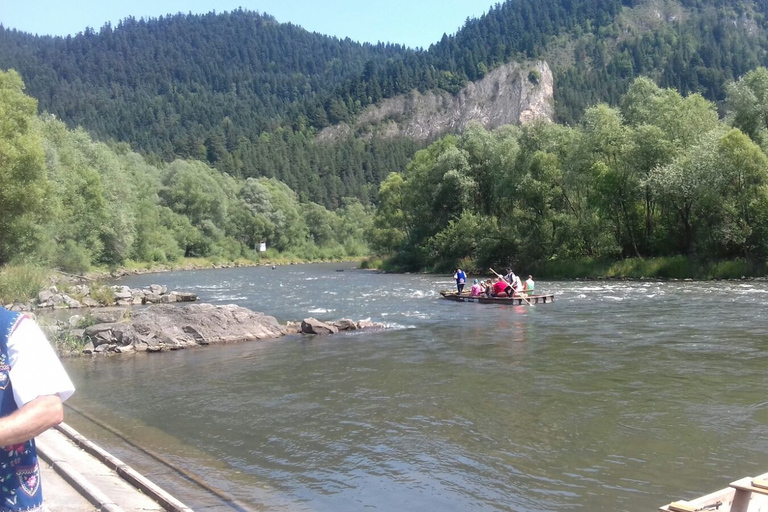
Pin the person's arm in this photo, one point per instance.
(32, 419)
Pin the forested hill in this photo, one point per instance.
(247, 93)
(166, 83)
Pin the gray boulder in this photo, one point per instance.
(314, 326)
(122, 292)
(90, 303)
(152, 298)
(82, 289)
(292, 328)
(345, 324)
(71, 302)
(108, 315)
(368, 325)
(157, 289)
(101, 334)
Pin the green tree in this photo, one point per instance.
(747, 104)
(23, 182)
(391, 227)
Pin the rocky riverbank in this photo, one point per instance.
(165, 327)
(88, 296)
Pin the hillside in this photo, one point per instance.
(248, 94)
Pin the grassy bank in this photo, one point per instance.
(674, 267)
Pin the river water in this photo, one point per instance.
(618, 396)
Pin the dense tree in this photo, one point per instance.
(71, 202)
(22, 169)
(662, 176)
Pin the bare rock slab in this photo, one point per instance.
(314, 326)
(202, 324)
(169, 327)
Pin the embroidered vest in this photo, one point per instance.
(19, 471)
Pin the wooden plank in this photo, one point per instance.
(681, 506)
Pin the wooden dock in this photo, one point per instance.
(750, 494)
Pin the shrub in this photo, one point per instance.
(73, 258)
(21, 282)
(369, 263)
(63, 341)
(733, 269)
(103, 294)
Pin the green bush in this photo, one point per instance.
(733, 269)
(103, 294)
(572, 268)
(369, 263)
(64, 342)
(20, 283)
(73, 258)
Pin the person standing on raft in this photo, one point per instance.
(461, 279)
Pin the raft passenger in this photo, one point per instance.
(488, 287)
(501, 288)
(529, 284)
(460, 278)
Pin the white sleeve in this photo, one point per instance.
(35, 368)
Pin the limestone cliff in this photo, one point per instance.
(511, 94)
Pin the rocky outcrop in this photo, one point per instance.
(510, 94)
(168, 327)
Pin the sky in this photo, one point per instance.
(414, 23)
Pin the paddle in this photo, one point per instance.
(526, 300)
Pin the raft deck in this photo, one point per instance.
(745, 495)
(515, 301)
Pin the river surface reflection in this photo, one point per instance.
(618, 396)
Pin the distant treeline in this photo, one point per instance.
(248, 94)
(69, 202)
(659, 175)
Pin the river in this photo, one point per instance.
(618, 396)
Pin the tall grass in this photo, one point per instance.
(19, 283)
(673, 267)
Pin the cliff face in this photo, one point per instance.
(511, 94)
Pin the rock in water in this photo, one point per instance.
(163, 326)
(314, 326)
(345, 324)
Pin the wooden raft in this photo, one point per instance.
(515, 301)
(745, 495)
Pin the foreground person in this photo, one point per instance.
(33, 385)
